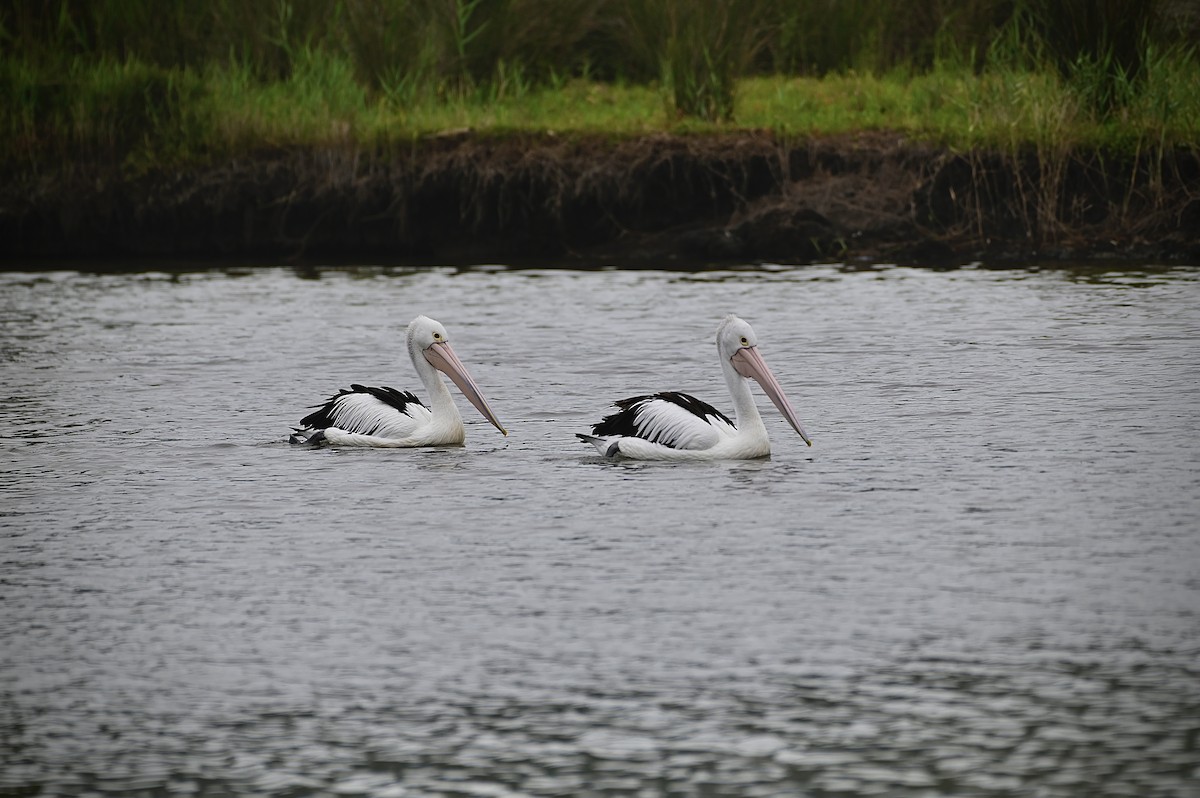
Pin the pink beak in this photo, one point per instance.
(749, 363)
(442, 358)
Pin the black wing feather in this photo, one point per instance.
(624, 421)
(326, 416)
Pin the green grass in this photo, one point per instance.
(95, 88)
(137, 116)
(142, 83)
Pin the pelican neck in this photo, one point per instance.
(440, 399)
(745, 411)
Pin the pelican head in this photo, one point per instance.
(428, 339)
(738, 345)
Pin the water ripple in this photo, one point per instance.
(980, 581)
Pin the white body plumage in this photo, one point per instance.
(385, 417)
(676, 426)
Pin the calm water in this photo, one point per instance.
(982, 580)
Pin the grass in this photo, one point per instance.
(137, 117)
(132, 87)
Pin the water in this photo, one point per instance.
(982, 580)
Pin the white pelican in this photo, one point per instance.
(365, 416)
(676, 426)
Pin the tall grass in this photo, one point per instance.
(1099, 45)
(818, 37)
(103, 112)
(320, 102)
(701, 48)
(138, 81)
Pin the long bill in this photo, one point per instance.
(442, 358)
(749, 363)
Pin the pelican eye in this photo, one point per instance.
(745, 341)
(437, 336)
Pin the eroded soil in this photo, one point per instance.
(657, 200)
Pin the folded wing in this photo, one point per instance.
(673, 419)
(381, 412)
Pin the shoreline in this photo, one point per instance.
(652, 200)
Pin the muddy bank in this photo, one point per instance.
(657, 200)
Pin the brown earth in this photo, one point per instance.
(659, 200)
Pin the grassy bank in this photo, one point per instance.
(242, 126)
(135, 116)
(137, 85)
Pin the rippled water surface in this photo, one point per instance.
(983, 579)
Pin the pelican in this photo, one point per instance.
(676, 426)
(363, 416)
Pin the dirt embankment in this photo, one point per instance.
(656, 200)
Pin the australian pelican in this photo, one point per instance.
(676, 426)
(363, 416)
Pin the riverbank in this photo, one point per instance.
(656, 199)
